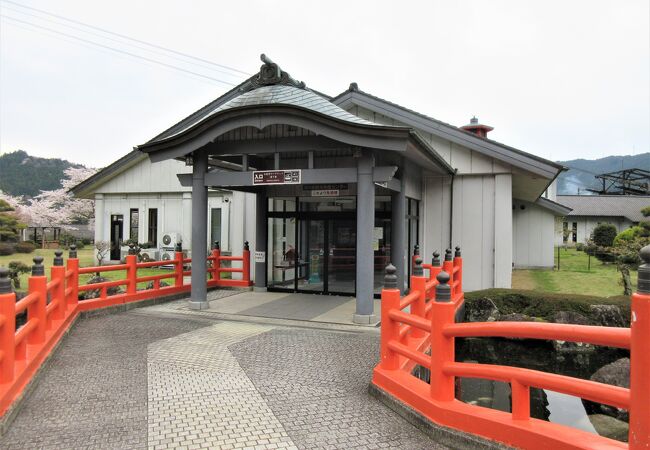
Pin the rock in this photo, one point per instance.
(515, 317)
(609, 316)
(573, 347)
(481, 310)
(150, 285)
(616, 373)
(95, 293)
(609, 427)
(570, 317)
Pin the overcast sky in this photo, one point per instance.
(560, 79)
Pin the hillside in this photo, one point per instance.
(582, 171)
(21, 174)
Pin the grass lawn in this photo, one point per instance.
(574, 277)
(86, 259)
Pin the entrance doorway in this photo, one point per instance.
(117, 229)
(312, 254)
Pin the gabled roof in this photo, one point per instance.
(627, 206)
(488, 147)
(555, 207)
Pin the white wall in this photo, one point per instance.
(533, 229)
(585, 226)
(146, 176)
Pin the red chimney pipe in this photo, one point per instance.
(477, 128)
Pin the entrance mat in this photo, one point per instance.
(297, 306)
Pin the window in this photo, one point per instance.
(413, 230)
(152, 236)
(574, 232)
(565, 233)
(134, 222)
(215, 232)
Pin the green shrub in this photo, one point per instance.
(16, 268)
(80, 245)
(6, 249)
(25, 247)
(580, 247)
(604, 235)
(86, 241)
(627, 235)
(646, 211)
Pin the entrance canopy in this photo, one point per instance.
(275, 137)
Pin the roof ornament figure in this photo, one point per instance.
(271, 74)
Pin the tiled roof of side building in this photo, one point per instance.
(628, 206)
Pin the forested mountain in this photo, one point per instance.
(581, 172)
(24, 175)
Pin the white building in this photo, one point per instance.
(589, 211)
(458, 187)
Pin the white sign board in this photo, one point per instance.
(260, 257)
(325, 193)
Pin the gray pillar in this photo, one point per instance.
(199, 295)
(365, 231)
(261, 204)
(398, 238)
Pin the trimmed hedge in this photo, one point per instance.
(25, 247)
(543, 304)
(7, 249)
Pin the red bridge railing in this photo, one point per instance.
(52, 306)
(407, 336)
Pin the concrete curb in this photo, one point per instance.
(444, 435)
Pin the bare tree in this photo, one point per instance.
(102, 248)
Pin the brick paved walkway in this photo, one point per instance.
(144, 381)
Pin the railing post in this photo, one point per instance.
(8, 328)
(418, 283)
(246, 262)
(458, 262)
(416, 253)
(442, 348)
(131, 270)
(448, 266)
(178, 279)
(57, 272)
(639, 432)
(73, 281)
(390, 298)
(36, 311)
(216, 263)
(435, 270)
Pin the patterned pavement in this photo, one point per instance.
(142, 379)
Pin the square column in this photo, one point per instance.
(199, 294)
(398, 238)
(365, 232)
(261, 204)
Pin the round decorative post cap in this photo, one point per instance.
(443, 290)
(416, 249)
(435, 261)
(73, 251)
(246, 245)
(417, 269)
(5, 282)
(390, 278)
(457, 253)
(58, 257)
(131, 248)
(38, 270)
(216, 246)
(643, 281)
(448, 255)
(178, 247)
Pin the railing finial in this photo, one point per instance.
(73, 251)
(643, 282)
(435, 261)
(246, 245)
(58, 257)
(417, 268)
(443, 290)
(457, 253)
(132, 249)
(448, 255)
(390, 278)
(5, 282)
(38, 270)
(216, 246)
(416, 250)
(178, 247)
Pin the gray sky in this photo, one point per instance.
(560, 79)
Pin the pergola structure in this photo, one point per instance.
(271, 136)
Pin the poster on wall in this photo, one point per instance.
(260, 257)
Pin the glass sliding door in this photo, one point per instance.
(282, 254)
(342, 256)
(312, 255)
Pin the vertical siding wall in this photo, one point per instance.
(586, 225)
(533, 236)
(482, 225)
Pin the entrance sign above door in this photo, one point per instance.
(276, 177)
(325, 193)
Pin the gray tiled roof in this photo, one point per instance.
(283, 95)
(628, 206)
